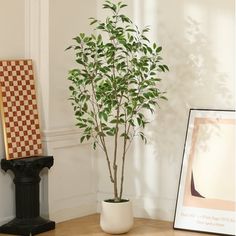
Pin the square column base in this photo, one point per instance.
(27, 227)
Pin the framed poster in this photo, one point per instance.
(19, 109)
(206, 195)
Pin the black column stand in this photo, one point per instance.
(28, 220)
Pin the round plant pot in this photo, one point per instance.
(116, 218)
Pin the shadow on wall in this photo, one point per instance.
(194, 81)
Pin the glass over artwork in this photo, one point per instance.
(206, 198)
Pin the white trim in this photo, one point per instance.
(44, 60)
(6, 219)
(27, 29)
(37, 49)
(85, 206)
(65, 137)
(32, 29)
(59, 134)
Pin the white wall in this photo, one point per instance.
(72, 180)
(12, 46)
(67, 19)
(12, 40)
(41, 30)
(198, 45)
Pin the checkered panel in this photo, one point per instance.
(19, 109)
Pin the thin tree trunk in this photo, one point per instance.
(123, 168)
(116, 198)
(115, 167)
(123, 160)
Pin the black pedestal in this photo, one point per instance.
(26, 171)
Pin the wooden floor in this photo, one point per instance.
(89, 225)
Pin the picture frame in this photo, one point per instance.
(19, 109)
(207, 185)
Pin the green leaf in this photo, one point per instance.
(99, 38)
(146, 95)
(125, 136)
(82, 35)
(82, 139)
(158, 49)
(153, 66)
(114, 121)
(147, 106)
(101, 134)
(85, 107)
(93, 22)
(143, 137)
(110, 133)
(166, 67)
(68, 48)
(123, 5)
(131, 121)
(77, 39)
(105, 117)
(162, 68)
(163, 97)
(94, 145)
(139, 121)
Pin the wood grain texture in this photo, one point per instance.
(89, 226)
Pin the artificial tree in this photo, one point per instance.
(116, 81)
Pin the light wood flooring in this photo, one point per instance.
(89, 225)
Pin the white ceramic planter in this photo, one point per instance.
(116, 218)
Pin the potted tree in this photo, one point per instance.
(115, 83)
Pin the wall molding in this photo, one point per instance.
(32, 29)
(55, 135)
(37, 49)
(64, 144)
(5, 220)
(62, 138)
(85, 205)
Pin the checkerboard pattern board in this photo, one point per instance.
(19, 109)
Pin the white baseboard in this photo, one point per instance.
(6, 219)
(82, 209)
(72, 213)
(83, 206)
